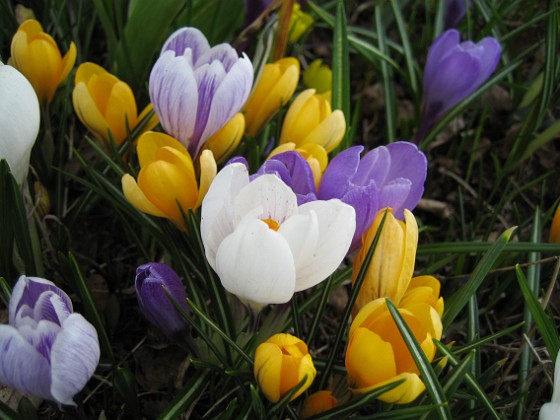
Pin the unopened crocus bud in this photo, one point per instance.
(318, 76)
(225, 141)
(106, 104)
(310, 120)
(19, 120)
(554, 236)
(48, 351)
(275, 87)
(318, 402)
(453, 71)
(37, 56)
(152, 282)
(282, 362)
(300, 22)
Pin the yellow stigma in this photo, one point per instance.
(272, 224)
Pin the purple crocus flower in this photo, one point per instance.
(47, 350)
(387, 176)
(294, 170)
(195, 89)
(453, 71)
(454, 12)
(151, 280)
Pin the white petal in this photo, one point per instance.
(302, 234)
(256, 264)
(184, 38)
(216, 213)
(337, 223)
(277, 199)
(21, 366)
(74, 357)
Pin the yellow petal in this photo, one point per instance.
(267, 369)
(68, 62)
(208, 171)
(226, 140)
(330, 132)
(406, 392)
(86, 71)
(137, 198)
(302, 116)
(318, 402)
(151, 141)
(121, 111)
(152, 122)
(554, 236)
(88, 113)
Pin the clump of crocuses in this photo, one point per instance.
(156, 285)
(47, 350)
(196, 89)
(453, 71)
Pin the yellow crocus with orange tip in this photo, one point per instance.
(310, 120)
(106, 104)
(554, 235)
(282, 362)
(377, 355)
(167, 185)
(35, 54)
(275, 87)
(318, 402)
(391, 268)
(315, 155)
(226, 140)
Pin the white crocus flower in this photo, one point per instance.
(262, 245)
(551, 410)
(19, 120)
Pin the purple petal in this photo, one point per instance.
(335, 181)
(438, 50)
(174, 95)
(74, 357)
(40, 335)
(223, 53)
(489, 52)
(50, 307)
(27, 291)
(394, 195)
(185, 38)
(374, 165)
(21, 366)
(365, 200)
(455, 10)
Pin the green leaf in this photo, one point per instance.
(192, 391)
(124, 383)
(422, 363)
(455, 304)
(6, 413)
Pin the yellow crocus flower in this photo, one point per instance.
(318, 402)
(310, 120)
(36, 55)
(554, 235)
(275, 87)
(104, 103)
(281, 362)
(300, 22)
(226, 140)
(391, 268)
(318, 76)
(167, 185)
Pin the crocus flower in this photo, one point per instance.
(274, 88)
(318, 402)
(167, 185)
(549, 411)
(377, 354)
(453, 71)
(19, 120)
(47, 350)
(554, 235)
(387, 176)
(454, 12)
(152, 281)
(315, 155)
(318, 76)
(281, 362)
(196, 89)
(36, 55)
(263, 246)
(300, 22)
(106, 104)
(226, 140)
(310, 120)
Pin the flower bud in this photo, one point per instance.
(225, 141)
(282, 362)
(318, 402)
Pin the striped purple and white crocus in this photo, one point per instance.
(48, 351)
(196, 89)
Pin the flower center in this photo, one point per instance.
(272, 224)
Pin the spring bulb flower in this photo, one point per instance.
(453, 71)
(282, 362)
(106, 104)
(454, 12)
(318, 402)
(19, 120)
(274, 88)
(310, 120)
(377, 354)
(300, 22)
(318, 76)
(166, 185)
(47, 350)
(551, 410)
(36, 55)
(226, 140)
(196, 89)
(315, 155)
(152, 279)
(554, 235)
(263, 246)
(387, 176)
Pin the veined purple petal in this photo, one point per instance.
(365, 200)
(443, 45)
(50, 307)
(74, 357)
(374, 165)
(41, 336)
(336, 178)
(223, 53)
(174, 95)
(185, 38)
(393, 194)
(21, 366)
(27, 291)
